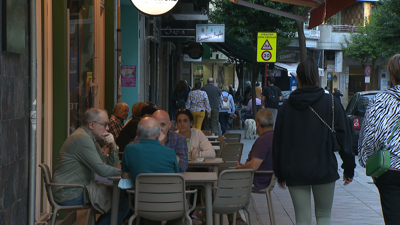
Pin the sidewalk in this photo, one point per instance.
(355, 204)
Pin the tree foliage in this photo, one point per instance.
(243, 23)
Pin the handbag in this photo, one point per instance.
(336, 142)
(378, 163)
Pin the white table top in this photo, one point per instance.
(212, 137)
(216, 148)
(199, 177)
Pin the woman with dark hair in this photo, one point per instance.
(179, 97)
(379, 124)
(337, 94)
(302, 151)
(198, 103)
(184, 120)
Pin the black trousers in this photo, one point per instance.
(388, 185)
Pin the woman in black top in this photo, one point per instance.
(302, 149)
(337, 94)
(179, 97)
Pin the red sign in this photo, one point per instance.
(367, 71)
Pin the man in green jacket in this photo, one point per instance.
(81, 157)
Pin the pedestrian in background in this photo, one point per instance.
(258, 90)
(198, 103)
(214, 94)
(179, 97)
(302, 147)
(379, 122)
(337, 94)
(226, 108)
(271, 95)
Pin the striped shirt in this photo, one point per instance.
(380, 119)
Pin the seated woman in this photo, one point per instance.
(184, 120)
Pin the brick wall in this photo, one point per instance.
(14, 132)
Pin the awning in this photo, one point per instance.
(232, 49)
(324, 9)
(292, 67)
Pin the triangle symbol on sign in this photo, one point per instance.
(266, 46)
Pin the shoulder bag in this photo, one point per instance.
(378, 163)
(336, 142)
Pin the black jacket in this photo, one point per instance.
(302, 149)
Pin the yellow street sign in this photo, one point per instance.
(266, 47)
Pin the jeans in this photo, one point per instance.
(323, 199)
(104, 219)
(388, 185)
(223, 120)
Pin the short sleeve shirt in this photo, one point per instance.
(266, 93)
(262, 149)
(213, 93)
(148, 156)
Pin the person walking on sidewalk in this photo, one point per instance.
(226, 108)
(302, 147)
(379, 122)
(198, 103)
(214, 95)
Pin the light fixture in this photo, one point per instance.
(154, 7)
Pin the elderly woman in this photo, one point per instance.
(198, 104)
(380, 121)
(184, 120)
(302, 151)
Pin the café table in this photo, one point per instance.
(212, 138)
(214, 163)
(205, 179)
(214, 142)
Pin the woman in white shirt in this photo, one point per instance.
(184, 120)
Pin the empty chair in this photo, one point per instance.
(160, 197)
(230, 154)
(237, 136)
(56, 207)
(233, 192)
(267, 192)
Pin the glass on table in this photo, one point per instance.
(195, 153)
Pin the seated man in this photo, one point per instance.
(149, 156)
(81, 156)
(249, 109)
(170, 139)
(260, 156)
(128, 133)
(121, 112)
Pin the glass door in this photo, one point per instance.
(84, 77)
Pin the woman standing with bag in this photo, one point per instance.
(379, 123)
(226, 108)
(303, 156)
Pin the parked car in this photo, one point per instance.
(355, 112)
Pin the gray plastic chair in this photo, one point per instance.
(233, 192)
(267, 192)
(230, 154)
(90, 218)
(160, 197)
(236, 136)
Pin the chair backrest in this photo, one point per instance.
(225, 141)
(206, 132)
(46, 180)
(237, 136)
(233, 191)
(160, 196)
(230, 154)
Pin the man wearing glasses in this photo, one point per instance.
(81, 156)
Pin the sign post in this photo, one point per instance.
(266, 46)
(367, 72)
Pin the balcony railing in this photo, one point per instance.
(344, 28)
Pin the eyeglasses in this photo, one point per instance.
(105, 124)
